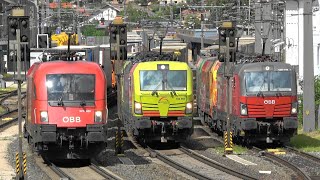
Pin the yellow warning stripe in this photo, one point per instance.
(7, 119)
(280, 152)
(273, 150)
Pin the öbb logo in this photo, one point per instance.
(269, 101)
(71, 119)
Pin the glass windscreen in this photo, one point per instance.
(71, 87)
(151, 80)
(268, 81)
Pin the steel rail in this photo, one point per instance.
(176, 165)
(57, 170)
(280, 160)
(304, 154)
(104, 173)
(215, 164)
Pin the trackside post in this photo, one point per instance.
(118, 53)
(227, 50)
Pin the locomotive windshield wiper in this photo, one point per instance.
(169, 85)
(155, 92)
(260, 92)
(83, 103)
(60, 102)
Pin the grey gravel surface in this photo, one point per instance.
(33, 171)
(207, 147)
(310, 167)
(202, 168)
(277, 172)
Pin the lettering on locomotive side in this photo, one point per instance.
(269, 101)
(71, 119)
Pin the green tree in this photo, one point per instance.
(316, 101)
(192, 21)
(90, 30)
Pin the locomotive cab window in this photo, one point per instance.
(163, 80)
(74, 89)
(268, 81)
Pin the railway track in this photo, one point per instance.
(73, 172)
(216, 165)
(300, 173)
(176, 165)
(6, 123)
(303, 154)
(208, 167)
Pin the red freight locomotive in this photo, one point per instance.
(263, 100)
(66, 108)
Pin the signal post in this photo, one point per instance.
(227, 50)
(118, 54)
(18, 48)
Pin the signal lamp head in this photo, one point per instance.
(122, 29)
(231, 44)
(24, 38)
(13, 30)
(122, 42)
(231, 32)
(13, 23)
(113, 29)
(24, 23)
(222, 32)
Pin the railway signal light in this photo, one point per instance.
(227, 30)
(25, 37)
(222, 37)
(24, 29)
(13, 26)
(113, 33)
(123, 41)
(232, 38)
(119, 30)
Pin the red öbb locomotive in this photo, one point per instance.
(66, 108)
(263, 100)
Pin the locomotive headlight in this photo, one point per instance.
(44, 116)
(137, 108)
(98, 116)
(243, 109)
(189, 108)
(294, 108)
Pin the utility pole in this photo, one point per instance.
(47, 16)
(171, 13)
(202, 19)
(43, 18)
(249, 18)
(308, 72)
(59, 13)
(78, 24)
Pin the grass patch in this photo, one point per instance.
(236, 150)
(8, 89)
(308, 142)
(2, 110)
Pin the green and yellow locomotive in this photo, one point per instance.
(157, 100)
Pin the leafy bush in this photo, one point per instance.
(316, 101)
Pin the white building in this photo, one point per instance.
(294, 34)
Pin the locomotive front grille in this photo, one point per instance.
(264, 110)
(282, 109)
